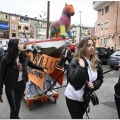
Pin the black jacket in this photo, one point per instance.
(77, 75)
(68, 56)
(9, 74)
(117, 87)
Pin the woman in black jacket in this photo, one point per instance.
(13, 73)
(84, 72)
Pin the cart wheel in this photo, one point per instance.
(55, 100)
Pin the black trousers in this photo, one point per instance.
(14, 98)
(76, 108)
(117, 101)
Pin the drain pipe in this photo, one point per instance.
(116, 22)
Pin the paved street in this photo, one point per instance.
(49, 110)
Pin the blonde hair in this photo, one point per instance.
(80, 53)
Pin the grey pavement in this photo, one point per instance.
(49, 110)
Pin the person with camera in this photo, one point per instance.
(85, 75)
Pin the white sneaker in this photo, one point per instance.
(52, 91)
(55, 88)
(49, 93)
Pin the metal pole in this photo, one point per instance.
(48, 12)
(80, 27)
(9, 26)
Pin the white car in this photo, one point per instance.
(4, 47)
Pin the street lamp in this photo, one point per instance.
(80, 27)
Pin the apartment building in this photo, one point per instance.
(13, 22)
(85, 32)
(107, 27)
(13, 25)
(4, 25)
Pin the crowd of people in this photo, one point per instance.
(110, 50)
(84, 76)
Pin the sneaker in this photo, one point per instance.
(49, 93)
(52, 91)
(55, 88)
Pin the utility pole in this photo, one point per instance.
(80, 27)
(48, 12)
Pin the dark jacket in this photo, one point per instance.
(117, 87)
(77, 75)
(68, 56)
(9, 74)
(1, 54)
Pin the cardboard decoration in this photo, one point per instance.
(58, 75)
(49, 63)
(37, 78)
(30, 54)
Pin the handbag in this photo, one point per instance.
(117, 88)
(94, 99)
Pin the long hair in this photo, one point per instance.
(80, 52)
(12, 52)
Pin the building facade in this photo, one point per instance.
(13, 26)
(85, 32)
(107, 27)
(4, 25)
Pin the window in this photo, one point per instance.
(5, 16)
(105, 40)
(22, 35)
(102, 26)
(74, 29)
(107, 9)
(13, 27)
(103, 51)
(101, 41)
(102, 12)
(19, 27)
(6, 42)
(106, 25)
(13, 17)
(0, 42)
(13, 34)
(99, 10)
(119, 40)
(43, 30)
(96, 50)
(26, 28)
(98, 24)
(116, 53)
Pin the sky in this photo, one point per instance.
(35, 8)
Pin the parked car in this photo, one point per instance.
(103, 54)
(4, 47)
(114, 59)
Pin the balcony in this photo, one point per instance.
(97, 5)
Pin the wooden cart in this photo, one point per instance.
(58, 76)
(43, 98)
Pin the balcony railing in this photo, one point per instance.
(97, 5)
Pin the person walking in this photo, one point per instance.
(84, 71)
(13, 74)
(117, 92)
(117, 96)
(66, 55)
(112, 50)
(1, 54)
